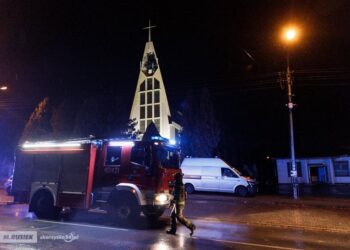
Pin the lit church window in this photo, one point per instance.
(149, 111)
(149, 84)
(156, 96)
(156, 84)
(142, 112)
(149, 97)
(156, 110)
(142, 126)
(142, 98)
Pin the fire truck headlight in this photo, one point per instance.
(162, 198)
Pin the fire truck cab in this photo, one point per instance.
(120, 177)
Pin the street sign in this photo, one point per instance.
(293, 173)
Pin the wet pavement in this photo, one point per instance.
(96, 231)
(4, 198)
(223, 222)
(275, 211)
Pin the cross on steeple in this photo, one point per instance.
(149, 29)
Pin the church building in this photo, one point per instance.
(150, 101)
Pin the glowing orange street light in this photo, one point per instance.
(290, 35)
(3, 88)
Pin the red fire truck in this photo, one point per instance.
(123, 178)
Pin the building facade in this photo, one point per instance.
(150, 100)
(322, 170)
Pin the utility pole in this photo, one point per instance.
(290, 105)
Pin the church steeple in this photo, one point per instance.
(150, 100)
(149, 63)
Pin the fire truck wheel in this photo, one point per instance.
(125, 210)
(42, 204)
(189, 188)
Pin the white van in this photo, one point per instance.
(213, 174)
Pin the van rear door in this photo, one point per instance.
(210, 178)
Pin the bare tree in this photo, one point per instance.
(38, 126)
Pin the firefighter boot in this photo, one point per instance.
(171, 231)
(192, 228)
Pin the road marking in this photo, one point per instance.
(84, 225)
(256, 244)
(243, 243)
(199, 201)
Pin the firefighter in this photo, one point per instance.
(178, 205)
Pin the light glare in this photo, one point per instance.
(291, 34)
(27, 145)
(121, 143)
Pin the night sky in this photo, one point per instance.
(57, 48)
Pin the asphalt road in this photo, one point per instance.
(216, 217)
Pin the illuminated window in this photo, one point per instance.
(149, 122)
(142, 98)
(142, 86)
(113, 157)
(156, 110)
(149, 97)
(341, 168)
(149, 84)
(138, 155)
(156, 84)
(142, 112)
(149, 112)
(142, 126)
(156, 96)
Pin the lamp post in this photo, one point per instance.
(3, 88)
(290, 35)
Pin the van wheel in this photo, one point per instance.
(43, 206)
(241, 191)
(189, 188)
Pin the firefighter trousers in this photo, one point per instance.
(177, 214)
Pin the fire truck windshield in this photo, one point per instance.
(169, 157)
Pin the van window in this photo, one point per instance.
(228, 173)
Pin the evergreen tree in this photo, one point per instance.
(131, 131)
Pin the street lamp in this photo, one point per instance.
(3, 88)
(290, 35)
